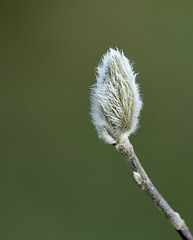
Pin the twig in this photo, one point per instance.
(115, 109)
(146, 185)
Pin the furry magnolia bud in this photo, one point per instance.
(115, 99)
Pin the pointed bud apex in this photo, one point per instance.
(115, 98)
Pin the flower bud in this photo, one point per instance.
(115, 99)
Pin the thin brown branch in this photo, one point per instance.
(146, 185)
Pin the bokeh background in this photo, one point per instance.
(57, 179)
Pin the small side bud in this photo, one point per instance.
(179, 221)
(137, 177)
(115, 98)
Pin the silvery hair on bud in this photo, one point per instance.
(115, 98)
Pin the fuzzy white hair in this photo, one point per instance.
(115, 98)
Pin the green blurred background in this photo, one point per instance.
(57, 179)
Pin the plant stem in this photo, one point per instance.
(146, 185)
